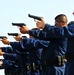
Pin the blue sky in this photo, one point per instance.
(18, 10)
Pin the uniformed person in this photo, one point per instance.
(65, 32)
(13, 66)
(9, 66)
(33, 66)
(57, 48)
(22, 56)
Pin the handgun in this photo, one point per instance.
(35, 17)
(2, 37)
(24, 36)
(13, 34)
(19, 24)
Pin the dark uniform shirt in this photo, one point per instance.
(57, 46)
(55, 32)
(34, 51)
(12, 56)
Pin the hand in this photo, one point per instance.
(1, 53)
(18, 38)
(24, 30)
(5, 41)
(40, 24)
(1, 62)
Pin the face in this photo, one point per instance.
(59, 23)
(18, 38)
